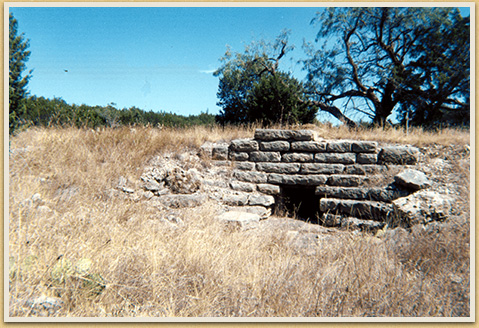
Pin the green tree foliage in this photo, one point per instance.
(57, 112)
(18, 56)
(375, 60)
(252, 89)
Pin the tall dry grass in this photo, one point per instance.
(199, 269)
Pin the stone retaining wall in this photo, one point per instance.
(351, 178)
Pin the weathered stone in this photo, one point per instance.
(309, 146)
(283, 168)
(262, 200)
(272, 134)
(423, 206)
(330, 220)
(364, 146)
(412, 179)
(315, 168)
(235, 199)
(261, 156)
(262, 211)
(370, 210)
(221, 163)
(242, 186)
(339, 146)
(297, 157)
(250, 176)
(245, 166)
(180, 201)
(340, 158)
(219, 152)
(365, 169)
(268, 189)
(238, 156)
(399, 155)
(241, 145)
(152, 185)
(274, 146)
(345, 180)
(183, 182)
(342, 192)
(367, 158)
(240, 220)
(307, 180)
(385, 194)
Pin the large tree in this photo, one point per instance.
(18, 56)
(253, 89)
(375, 60)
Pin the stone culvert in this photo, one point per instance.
(333, 182)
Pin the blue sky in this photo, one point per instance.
(158, 59)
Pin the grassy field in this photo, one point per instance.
(106, 256)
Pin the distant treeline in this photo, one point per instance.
(40, 111)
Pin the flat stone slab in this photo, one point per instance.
(412, 179)
(272, 134)
(339, 146)
(364, 146)
(274, 145)
(345, 180)
(309, 146)
(402, 155)
(297, 157)
(339, 158)
(250, 176)
(283, 168)
(342, 192)
(241, 220)
(261, 200)
(269, 189)
(241, 145)
(363, 209)
(321, 168)
(265, 156)
(296, 179)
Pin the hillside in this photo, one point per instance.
(85, 242)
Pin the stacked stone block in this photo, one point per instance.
(343, 172)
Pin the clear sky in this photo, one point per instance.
(159, 58)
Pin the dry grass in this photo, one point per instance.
(199, 269)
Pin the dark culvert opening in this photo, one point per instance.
(299, 202)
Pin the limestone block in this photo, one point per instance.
(283, 168)
(345, 180)
(242, 145)
(273, 134)
(352, 223)
(246, 166)
(385, 194)
(242, 186)
(319, 168)
(240, 220)
(309, 146)
(235, 199)
(412, 179)
(250, 176)
(238, 156)
(297, 157)
(340, 158)
(180, 201)
(262, 211)
(365, 169)
(339, 146)
(370, 210)
(364, 146)
(274, 146)
(342, 192)
(401, 155)
(262, 156)
(307, 180)
(262, 200)
(423, 206)
(219, 152)
(367, 158)
(268, 189)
